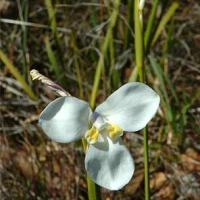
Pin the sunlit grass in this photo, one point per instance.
(16, 73)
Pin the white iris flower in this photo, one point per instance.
(108, 162)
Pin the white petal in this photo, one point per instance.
(65, 119)
(109, 164)
(131, 106)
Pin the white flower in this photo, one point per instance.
(108, 162)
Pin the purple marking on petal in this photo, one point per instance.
(95, 115)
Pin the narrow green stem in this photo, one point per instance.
(139, 54)
(92, 189)
(139, 43)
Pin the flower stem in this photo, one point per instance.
(139, 54)
(93, 190)
(139, 42)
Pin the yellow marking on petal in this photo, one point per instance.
(92, 135)
(114, 131)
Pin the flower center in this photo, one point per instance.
(112, 130)
(92, 135)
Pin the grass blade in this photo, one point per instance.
(159, 74)
(15, 72)
(105, 46)
(55, 65)
(165, 20)
(150, 24)
(52, 16)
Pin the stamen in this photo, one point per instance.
(92, 135)
(114, 131)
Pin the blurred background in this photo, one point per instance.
(66, 41)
